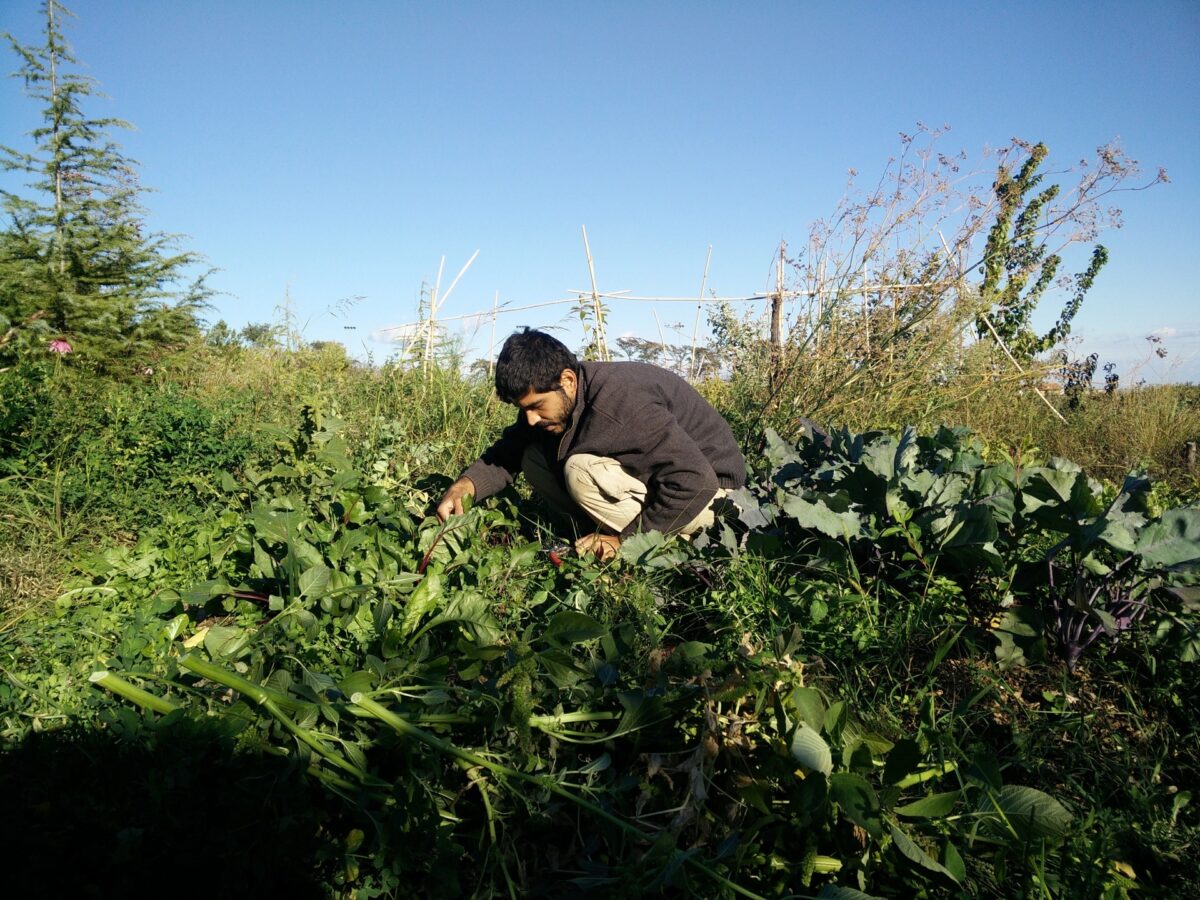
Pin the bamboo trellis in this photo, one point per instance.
(426, 328)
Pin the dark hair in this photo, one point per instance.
(531, 361)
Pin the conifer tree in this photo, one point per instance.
(76, 262)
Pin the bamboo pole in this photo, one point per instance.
(662, 341)
(597, 309)
(492, 341)
(1013, 359)
(699, 306)
(432, 320)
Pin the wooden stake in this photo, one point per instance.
(777, 319)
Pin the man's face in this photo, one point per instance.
(551, 410)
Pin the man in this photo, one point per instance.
(624, 446)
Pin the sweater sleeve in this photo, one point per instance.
(500, 464)
(681, 483)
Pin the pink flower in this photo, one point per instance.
(58, 345)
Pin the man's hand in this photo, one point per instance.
(603, 545)
(451, 503)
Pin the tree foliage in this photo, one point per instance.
(77, 263)
(1016, 252)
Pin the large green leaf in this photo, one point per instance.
(472, 610)
(314, 582)
(1028, 812)
(778, 451)
(857, 801)
(422, 601)
(820, 517)
(809, 704)
(935, 806)
(1172, 541)
(571, 627)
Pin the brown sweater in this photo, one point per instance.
(648, 419)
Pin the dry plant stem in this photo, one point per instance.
(1049, 405)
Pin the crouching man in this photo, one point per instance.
(621, 447)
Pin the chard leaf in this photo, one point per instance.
(471, 610)
(314, 582)
(571, 627)
(422, 601)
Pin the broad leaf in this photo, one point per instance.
(935, 806)
(810, 750)
(1028, 812)
(314, 582)
(1172, 541)
(912, 851)
(570, 627)
(857, 801)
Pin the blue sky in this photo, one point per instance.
(336, 150)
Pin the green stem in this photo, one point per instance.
(123, 688)
(409, 730)
(928, 775)
(265, 697)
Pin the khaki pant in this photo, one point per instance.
(598, 487)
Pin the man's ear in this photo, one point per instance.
(568, 382)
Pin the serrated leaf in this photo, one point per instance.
(820, 517)
(778, 451)
(471, 610)
(810, 750)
